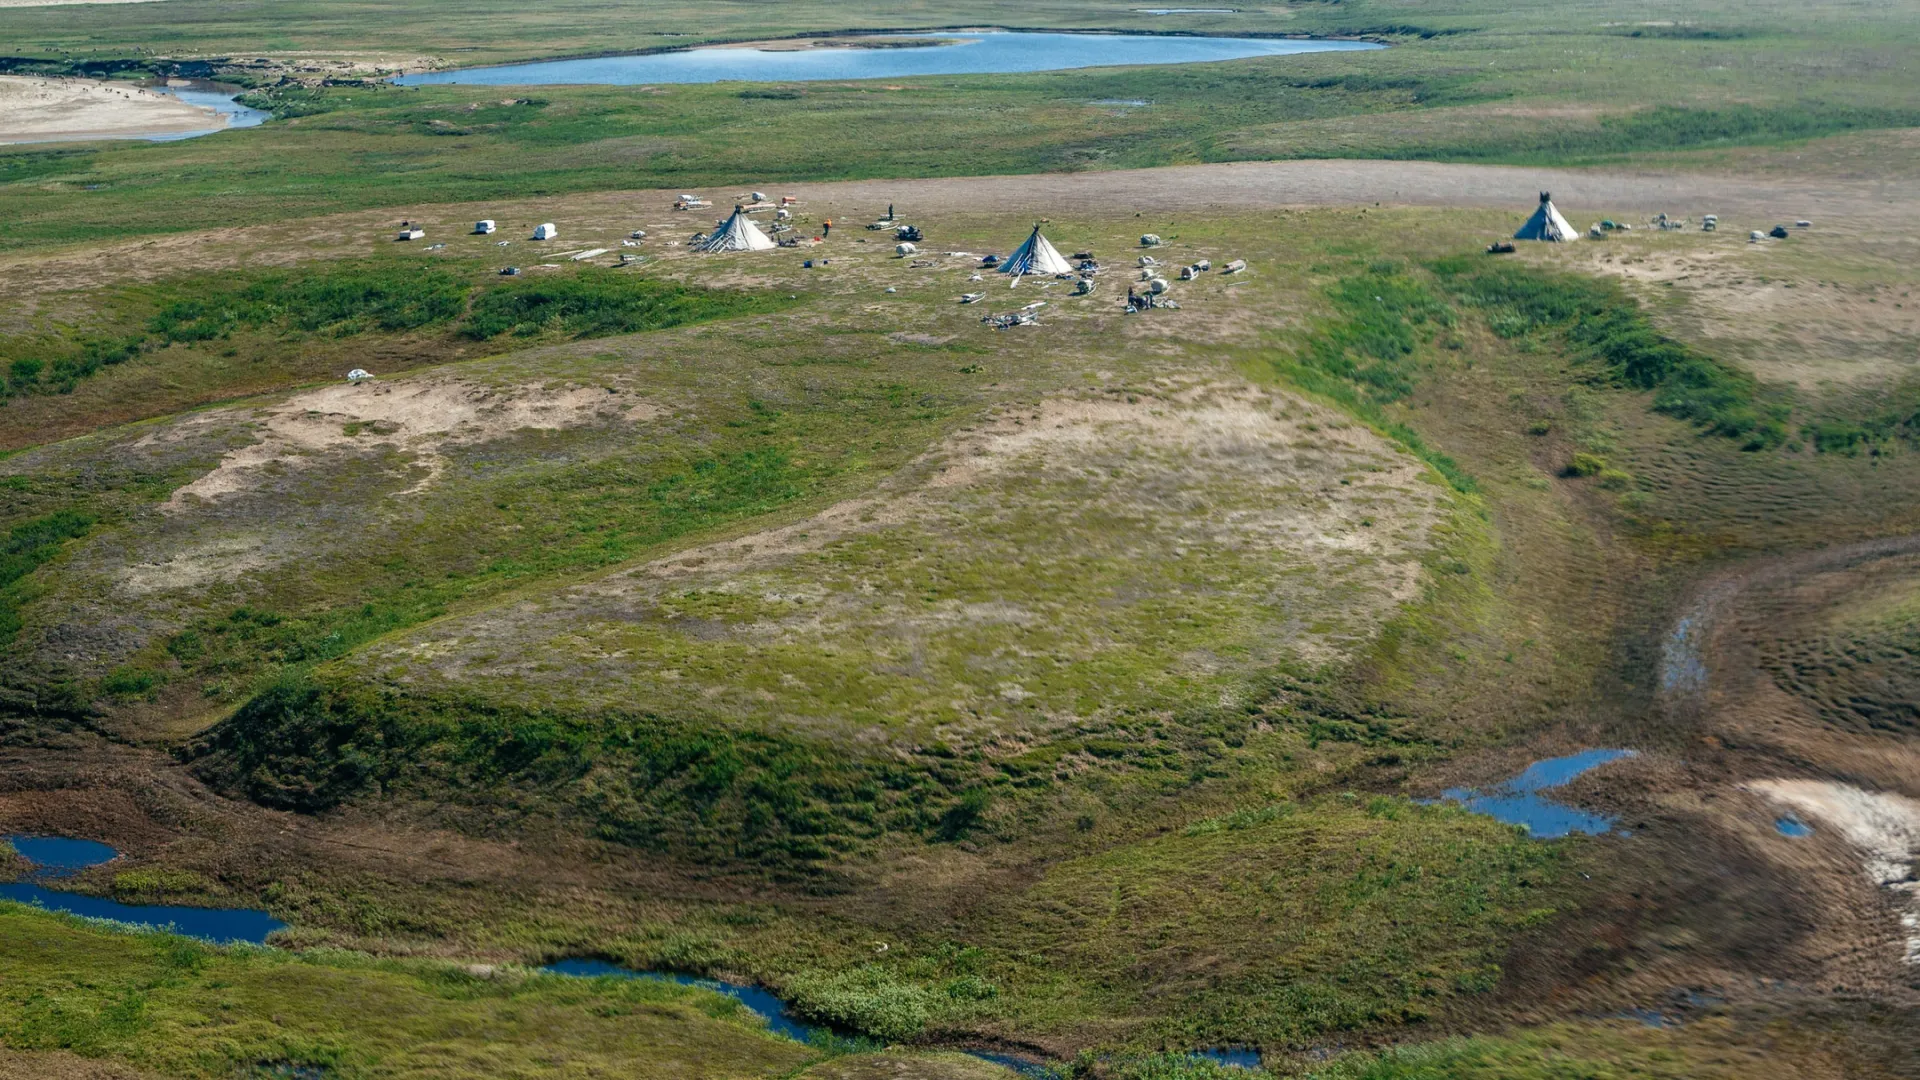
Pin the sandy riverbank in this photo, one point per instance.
(39, 109)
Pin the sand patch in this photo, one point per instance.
(417, 417)
(1885, 828)
(34, 109)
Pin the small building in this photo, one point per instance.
(546, 231)
(484, 227)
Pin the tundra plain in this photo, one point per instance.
(1080, 692)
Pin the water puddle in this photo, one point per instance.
(60, 856)
(972, 53)
(1792, 826)
(1681, 668)
(1234, 1057)
(1520, 801)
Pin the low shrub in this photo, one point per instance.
(1363, 357)
(26, 546)
(867, 999)
(1586, 465)
(1607, 329)
(592, 305)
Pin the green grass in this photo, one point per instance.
(600, 306)
(188, 1010)
(27, 546)
(1363, 355)
(1149, 852)
(1608, 332)
(347, 299)
(1322, 917)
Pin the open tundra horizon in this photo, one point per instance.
(924, 542)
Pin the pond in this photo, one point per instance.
(1519, 801)
(62, 856)
(951, 53)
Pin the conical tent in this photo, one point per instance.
(736, 234)
(1546, 224)
(1036, 256)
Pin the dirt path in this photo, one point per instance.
(1268, 185)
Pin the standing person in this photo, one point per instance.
(826, 229)
(889, 211)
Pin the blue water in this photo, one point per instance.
(219, 100)
(1519, 801)
(977, 53)
(220, 926)
(1792, 826)
(1238, 1057)
(778, 1016)
(61, 856)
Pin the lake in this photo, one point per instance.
(971, 53)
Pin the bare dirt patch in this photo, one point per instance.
(414, 416)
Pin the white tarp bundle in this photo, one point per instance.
(1036, 256)
(1547, 224)
(736, 234)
